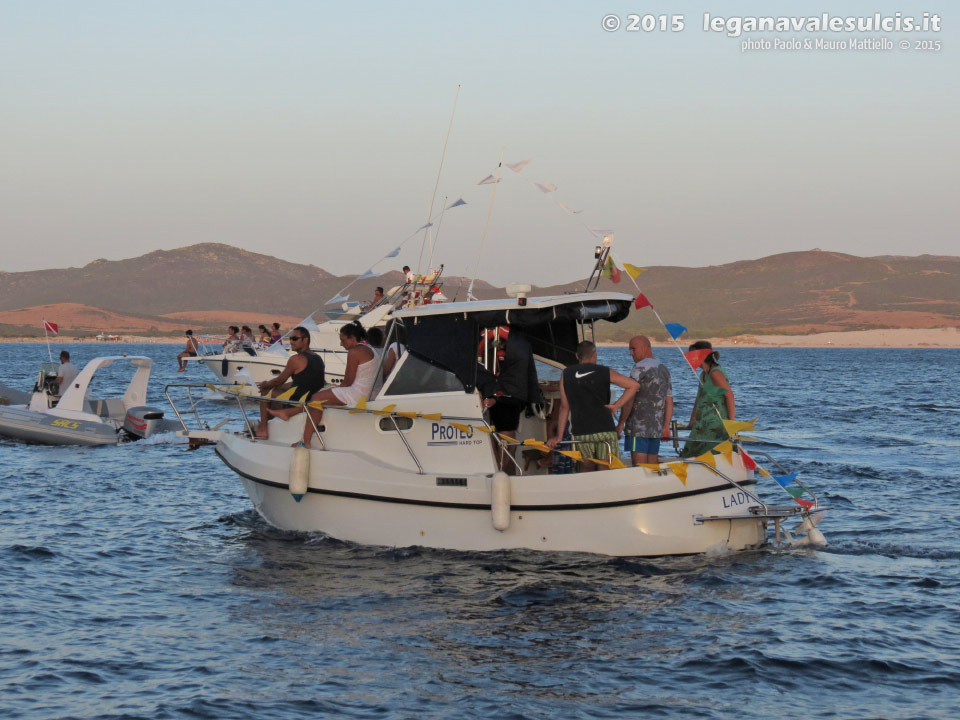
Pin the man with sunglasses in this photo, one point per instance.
(303, 376)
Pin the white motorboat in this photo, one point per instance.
(73, 418)
(250, 364)
(416, 465)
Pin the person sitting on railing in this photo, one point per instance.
(264, 335)
(305, 373)
(713, 405)
(231, 343)
(377, 299)
(585, 399)
(192, 349)
(358, 378)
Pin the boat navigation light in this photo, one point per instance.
(607, 241)
(597, 251)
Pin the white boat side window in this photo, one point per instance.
(416, 376)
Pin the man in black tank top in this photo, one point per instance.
(303, 375)
(585, 399)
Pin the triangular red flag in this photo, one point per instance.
(641, 302)
(615, 273)
(748, 462)
(805, 503)
(50, 327)
(696, 357)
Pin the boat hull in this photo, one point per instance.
(33, 427)
(627, 512)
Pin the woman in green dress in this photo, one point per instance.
(714, 404)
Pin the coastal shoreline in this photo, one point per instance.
(948, 337)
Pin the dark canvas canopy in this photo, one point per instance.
(450, 339)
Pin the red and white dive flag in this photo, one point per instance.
(50, 327)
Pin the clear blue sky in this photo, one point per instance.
(313, 131)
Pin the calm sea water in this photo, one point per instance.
(136, 581)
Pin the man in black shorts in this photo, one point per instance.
(515, 387)
(303, 376)
(585, 399)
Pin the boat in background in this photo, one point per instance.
(72, 418)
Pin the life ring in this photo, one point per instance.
(492, 338)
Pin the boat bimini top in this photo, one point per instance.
(74, 400)
(446, 334)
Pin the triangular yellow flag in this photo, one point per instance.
(411, 415)
(632, 270)
(537, 445)
(734, 426)
(286, 394)
(616, 463)
(436, 417)
(384, 411)
(507, 439)
(650, 466)
(598, 461)
(315, 405)
(460, 426)
(361, 406)
(707, 458)
(573, 454)
(485, 429)
(680, 470)
(764, 472)
(726, 449)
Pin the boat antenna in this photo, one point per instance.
(486, 226)
(433, 198)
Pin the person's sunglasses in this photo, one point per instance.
(297, 337)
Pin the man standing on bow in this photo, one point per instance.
(585, 399)
(648, 420)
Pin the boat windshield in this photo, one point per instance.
(416, 376)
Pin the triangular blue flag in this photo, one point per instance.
(785, 480)
(675, 329)
(367, 274)
(424, 227)
(393, 254)
(457, 203)
(338, 298)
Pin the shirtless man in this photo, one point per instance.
(191, 350)
(303, 374)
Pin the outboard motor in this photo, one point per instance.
(143, 421)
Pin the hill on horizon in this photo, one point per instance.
(791, 293)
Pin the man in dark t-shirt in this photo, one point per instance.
(585, 399)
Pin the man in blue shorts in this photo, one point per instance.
(649, 419)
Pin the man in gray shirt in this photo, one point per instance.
(649, 419)
(68, 372)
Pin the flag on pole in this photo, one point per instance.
(641, 302)
(632, 270)
(50, 327)
(675, 329)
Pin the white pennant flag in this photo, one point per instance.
(546, 187)
(310, 324)
(518, 166)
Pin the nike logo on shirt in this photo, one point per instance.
(578, 375)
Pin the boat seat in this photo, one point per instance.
(108, 408)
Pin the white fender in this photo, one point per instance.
(500, 501)
(299, 472)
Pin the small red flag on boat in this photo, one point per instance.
(748, 462)
(696, 357)
(50, 327)
(641, 302)
(806, 503)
